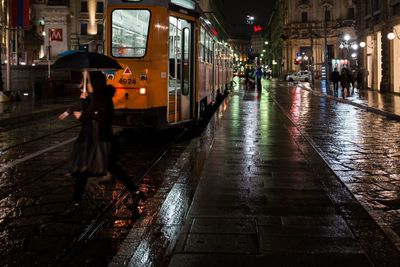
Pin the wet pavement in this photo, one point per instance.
(14, 113)
(265, 195)
(362, 148)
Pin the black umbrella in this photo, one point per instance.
(82, 60)
(86, 61)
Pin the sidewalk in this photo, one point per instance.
(266, 198)
(387, 104)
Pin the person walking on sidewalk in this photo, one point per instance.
(345, 80)
(97, 106)
(258, 76)
(335, 78)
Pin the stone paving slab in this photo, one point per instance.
(221, 243)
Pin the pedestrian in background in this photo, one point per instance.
(345, 80)
(250, 79)
(258, 76)
(335, 78)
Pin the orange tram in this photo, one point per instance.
(174, 65)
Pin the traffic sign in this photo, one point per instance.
(127, 71)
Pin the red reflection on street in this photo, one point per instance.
(295, 104)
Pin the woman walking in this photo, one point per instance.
(92, 151)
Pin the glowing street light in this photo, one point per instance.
(250, 19)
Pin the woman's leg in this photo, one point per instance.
(79, 187)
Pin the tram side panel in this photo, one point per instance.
(205, 75)
(141, 95)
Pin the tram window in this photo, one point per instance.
(207, 48)
(202, 45)
(130, 28)
(186, 61)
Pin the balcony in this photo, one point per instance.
(304, 4)
(58, 3)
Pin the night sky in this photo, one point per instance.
(236, 11)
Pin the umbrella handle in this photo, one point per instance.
(85, 76)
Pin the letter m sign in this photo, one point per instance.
(55, 35)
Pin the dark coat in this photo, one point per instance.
(335, 76)
(345, 78)
(98, 106)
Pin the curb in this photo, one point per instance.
(347, 101)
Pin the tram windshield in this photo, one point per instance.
(129, 33)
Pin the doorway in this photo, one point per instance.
(181, 71)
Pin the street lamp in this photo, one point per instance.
(348, 44)
(391, 35)
(250, 19)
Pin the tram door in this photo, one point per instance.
(181, 72)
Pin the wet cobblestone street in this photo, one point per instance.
(361, 147)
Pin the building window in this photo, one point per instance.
(99, 7)
(83, 29)
(327, 15)
(84, 6)
(100, 29)
(58, 2)
(304, 16)
(351, 13)
(331, 51)
(396, 9)
(375, 5)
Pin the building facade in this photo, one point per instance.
(79, 24)
(69, 25)
(54, 27)
(274, 40)
(318, 34)
(378, 27)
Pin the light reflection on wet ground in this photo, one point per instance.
(362, 148)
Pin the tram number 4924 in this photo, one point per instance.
(127, 81)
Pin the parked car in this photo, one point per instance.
(300, 76)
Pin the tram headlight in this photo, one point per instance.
(142, 91)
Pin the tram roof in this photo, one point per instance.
(189, 4)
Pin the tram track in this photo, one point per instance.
(39, 138)
(34, 201)
(96, 215)
(18, 185)
(67, 255)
